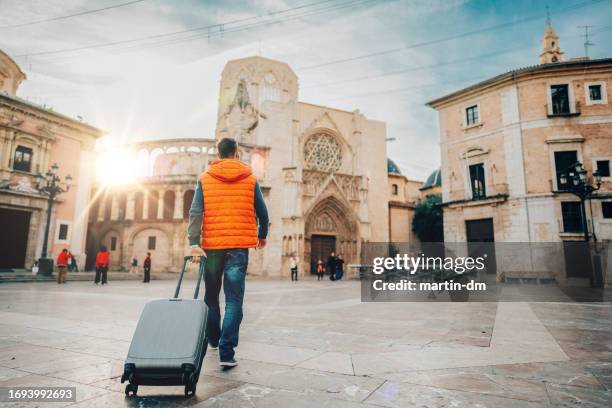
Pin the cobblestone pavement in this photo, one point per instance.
(313, 344)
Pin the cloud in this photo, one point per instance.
(168, 87)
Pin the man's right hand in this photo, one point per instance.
(195, 253)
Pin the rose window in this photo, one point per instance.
(322, 152)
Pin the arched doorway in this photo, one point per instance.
(331, 225)
(156, 242)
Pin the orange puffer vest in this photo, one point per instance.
(229, 206)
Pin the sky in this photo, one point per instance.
(150, 69)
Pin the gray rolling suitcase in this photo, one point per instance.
(170, 341)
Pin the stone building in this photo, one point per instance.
(506, 140)
(404, 194)
(32, 139)
(322, 171)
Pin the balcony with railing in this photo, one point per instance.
(568, 109)
(492, 192)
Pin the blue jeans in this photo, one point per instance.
(228, 266)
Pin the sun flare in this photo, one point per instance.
(115, 168)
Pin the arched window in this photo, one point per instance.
(187, 199)
(122, 206)
(322, 152)
(168, 204)
(138, 205)
(108, 206)
(153, 200)
(394, 189)
(23, 159)
(94, 208)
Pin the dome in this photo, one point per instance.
(434, 180)
(10, 75)
(392, 168)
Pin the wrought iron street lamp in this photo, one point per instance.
(575, 181)
(50, 185)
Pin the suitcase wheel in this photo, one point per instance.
(190, 390)
(133, 388)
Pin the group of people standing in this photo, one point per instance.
(146, 266)
(66, 262)
(334, 267)
(103, 258)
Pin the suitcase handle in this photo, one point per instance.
(186, 259)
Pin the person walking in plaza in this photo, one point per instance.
(62, 263)
(331, 265)
(339, 267)
(320, 270)
(294, 269)
(225, 212)
(134, 269)
(102, 260)
(147, 268)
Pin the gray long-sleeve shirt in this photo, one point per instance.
(196, 215)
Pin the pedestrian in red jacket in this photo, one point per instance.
(62, 264)
(102, 265)
(147, 268)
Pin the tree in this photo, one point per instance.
(427, 223)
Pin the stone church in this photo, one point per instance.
(323, 172)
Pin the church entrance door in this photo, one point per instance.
(14, 241)
(320, 248)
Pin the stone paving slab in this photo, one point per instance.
(314, 344)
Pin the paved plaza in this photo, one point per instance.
(314, 344)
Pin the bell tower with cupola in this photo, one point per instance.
(551, 52)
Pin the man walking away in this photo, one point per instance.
(222, 222)
(147, 268)
(331, 265)
(339, 267)
(62, 264)
(134, 269)
(294, 269)
(102, 265)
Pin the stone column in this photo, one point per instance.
(5, 145)
(129, 206)
(7, 160)
(178, 203)
(160, 206)
(114, 208)
(145, 205)
(83, 192)
(102, 206)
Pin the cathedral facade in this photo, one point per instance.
(323, 172)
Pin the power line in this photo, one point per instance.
(418, 68)
(82, 13)
(444, 39)
(255, 25)
(219, 26)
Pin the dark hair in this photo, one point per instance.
(226, 147)
(103, 248)
(64, 250)
(148, 253)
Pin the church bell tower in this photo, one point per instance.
(551, 52)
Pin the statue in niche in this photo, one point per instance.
(241, 118)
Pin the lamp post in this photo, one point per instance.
(575, 182)
(50, 185)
